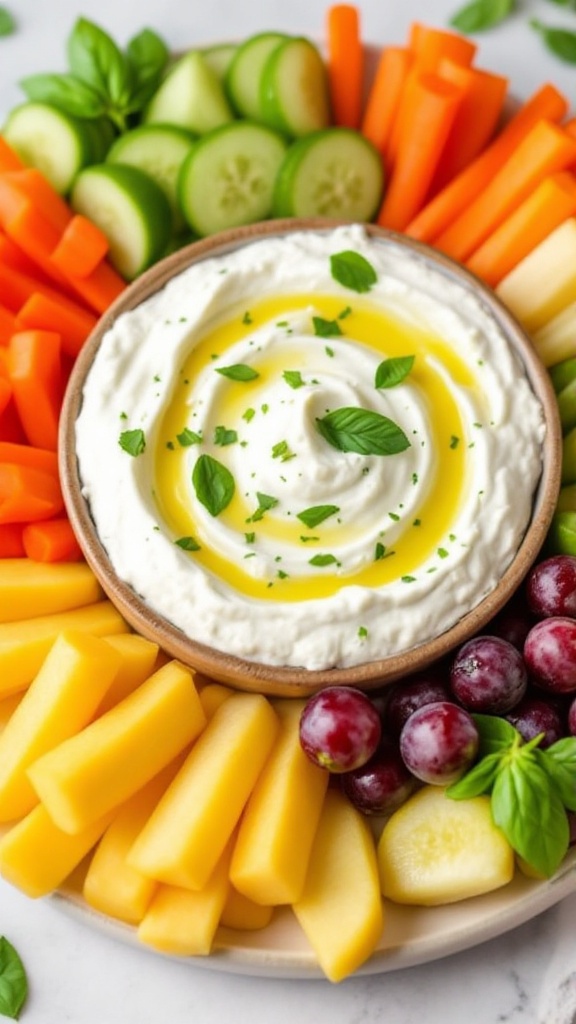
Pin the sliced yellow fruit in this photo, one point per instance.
(138, 662)
(436, 850)
(212, 696)
(244, 914)
(30, 588)
(544, 282)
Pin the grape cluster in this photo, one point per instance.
(422, 730)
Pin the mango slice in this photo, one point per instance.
(60, 701)
(28, 588)
(138, 662)
(280, 821)
(8, 707)
(340, 910)
(100, 767)
(188, 831)
(244, 914)
(436, 850)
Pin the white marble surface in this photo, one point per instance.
(80, 976)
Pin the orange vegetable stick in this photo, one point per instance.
(16, 287)
(345, 64)
(546, 102)
(551, 203)
(81, 248)
(483, 95)
(429, 113)
(546, 149)
(52, 540)
(12, 256)
(36, 378)
(11, 542)
(11, 430)
(7, 325)
(29, 183)
(27, 494)
(28, 455)
(9, 159)
(5, 393)
(384, 96)
(71, 321)
(431, 45)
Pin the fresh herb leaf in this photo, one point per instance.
(362, 632)
(132, 441)
(323, 560)
(65, 91)
(293, 378)
(482, 14)
(496, 734)
(478, 780)
(531, 815)
(13, 981)
(213, 483)
(326, 328)
(282, 451)
(316, 514)
(391, 372)
(94, 57)
(265, 503)
(147, 56)
(188, 543)
(559, 763)
(560, 41)
(353, 271)
(238, 371)
(188, 437)
(224, 436)
(352, 429)
(250, 538)
(7, 22)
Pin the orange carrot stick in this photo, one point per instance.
(11, 541)
(36, 379)
(29, 183)
(16, 287)
(431, 45)
(52, 540)
(81, 248)
(11, 430)
(27, 494)
(477, 117)
(29, 455)
(71, 321)
(551, 203)
(12, 256)
(429, 113)
(384, 97)
(546, 149)
(9, 159)
(546, 102)
(7, 325)
(345, 64)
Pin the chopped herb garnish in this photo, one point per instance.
(414, 478)
(250, 537)
(394, 516)
(247, 318)
(213, 483)
(293, 378)
(316, 514)
(188, 437)
(392, 372)
(281, 574)
(306, 539)
(170, 445)
(223, 436)
(442, 553)
(329, 351)
(362, 632)
(188, 543)
(344, 312)
(454, 441)
(322, 560)
(326, 328)
(265, 503)
(132, 441)
(248, 415)
(379, 551)
(408, 579)
(417, 522)
(352, 429)
(238, 371)
(282, 451)
(353, 271)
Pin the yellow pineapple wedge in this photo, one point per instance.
(436, 850)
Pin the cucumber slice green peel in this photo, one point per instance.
(294, 94)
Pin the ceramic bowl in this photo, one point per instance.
(288, 681)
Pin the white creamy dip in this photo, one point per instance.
(214, 447)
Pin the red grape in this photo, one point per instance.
(551, 586)
(550, 654)
(340, 728)
(513, 622)
(488, 675)
(382, 784)
(439, 742)
(411, 694)
(572, 718)
(535, 715)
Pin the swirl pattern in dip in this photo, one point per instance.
(303, 468)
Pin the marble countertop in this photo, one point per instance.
(79, 975)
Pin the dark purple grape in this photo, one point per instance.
(572, 718)
(340, 728)
(550, 654)
(535, 715)
(488, 675)
(382, 784)
(551, 586)
(413, 693)
(439, 742)
(513, 622)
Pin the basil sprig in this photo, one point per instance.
(353, 270)
(482, 14)
(102, 80)
(560, 41)
(13, 982)
(213, 483)
(352, 429)
(391, 372)
(531, 788)
(7, 22)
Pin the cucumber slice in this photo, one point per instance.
(331, 173)
(219, 58)
(228, 178)
(131, 210)
(191, 95)
(56, 143)
(160, 151)
(244, 78)
(294, 94)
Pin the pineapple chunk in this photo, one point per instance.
(100, 767)
(30, 588)
(192, 824)
(436, 850)
(279, 824)
(60, 701)
(340, 909)
(139, 658)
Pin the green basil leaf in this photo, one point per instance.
(362, 430)
(133, 442)
(224, 436)
(560, 41)
(391, 372)
(482, 14)
(559, 763)
(213, 483)
(13, 982)
(95, 58)
(147, 55)
(238, 371)
(353, 271)
(67, 92)
(478, 780)
(316, 514)
(531, 815)
(188, 437)
(323, 560)
(265, 503)
(188, 543)
(326, 328)
(496, 734)
(293, 378)
(7, 22)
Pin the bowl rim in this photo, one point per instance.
(277, 680)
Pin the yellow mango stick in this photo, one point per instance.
(138, 662)
(98, 769)
(28, 588)
(279, 824)
(60, 701)
(340, 910)
(212, 696)
(8, 707)
(244, 914)
(189, 829)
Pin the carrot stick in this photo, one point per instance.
(546, 149)
(345, 64)
(483, 95)
(7, 325)
(81, 248)
(30, 456)
(52, 540)
(11, 541)
(431, 45)
(546, 102)
(12, 256)
(30, 184)
(384, 97)
(429, 113)
(551, 203)
(27, 494)
(36, 379)
(9, 159)
(71, 321)
(11, 430)
(16, 287)
(99, 289)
